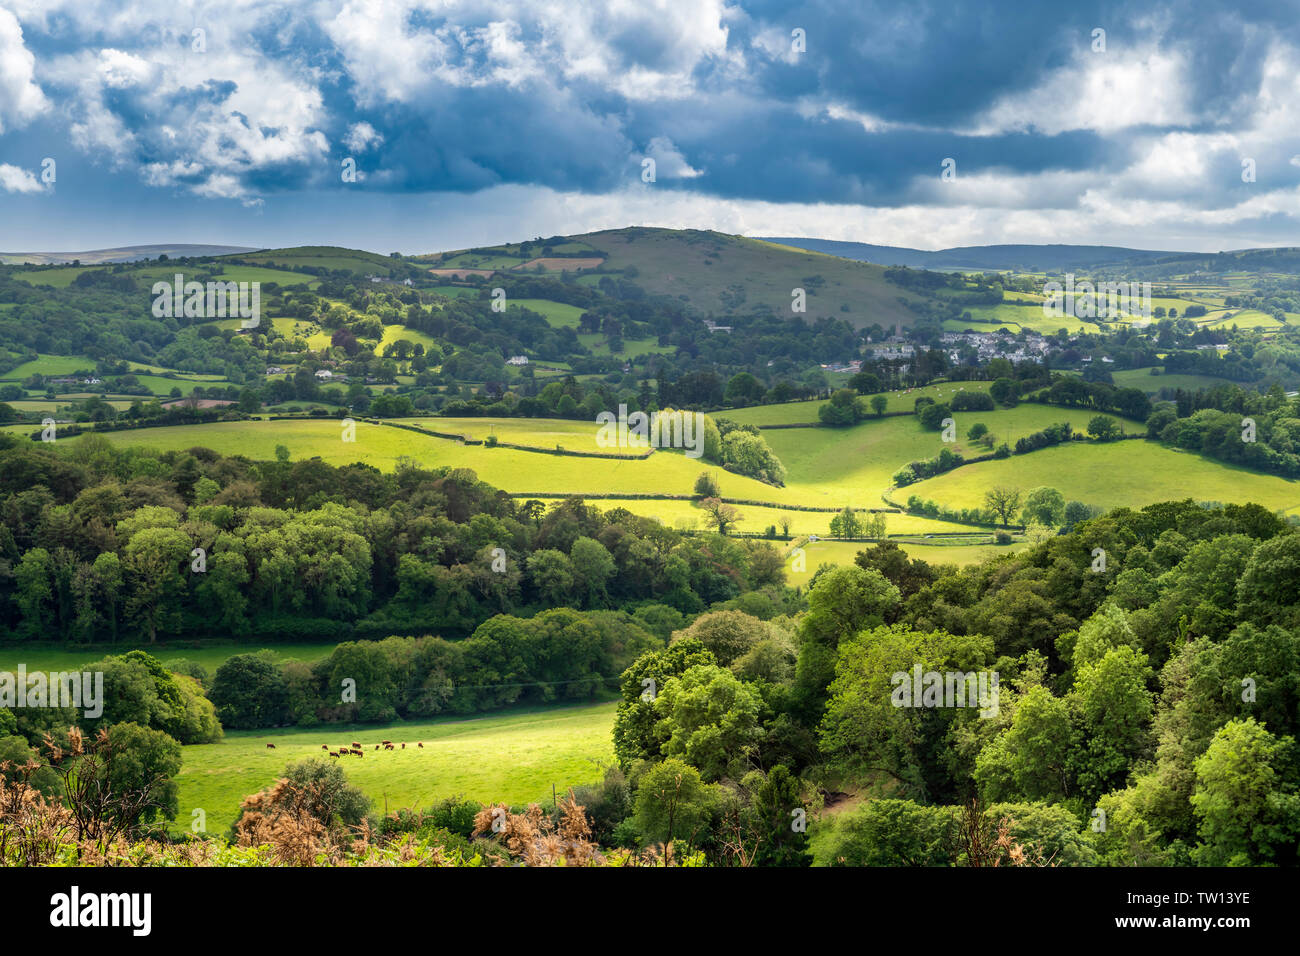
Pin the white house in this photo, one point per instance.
(517, 360)
(324, 374)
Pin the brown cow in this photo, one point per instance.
(332, 753)
(385, 742)
(324, 746)
(355, 744)
(420, 744)
(270, 746)
(403, 746)
(376, 746)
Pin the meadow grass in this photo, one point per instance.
(557, 314)
(843, 553)
(512, 757)
(687, 515)
(55, 365)
(49, 657)
(1113, 475)
(791, 413)
(1152, 384)
(856, 465)
(541, 433)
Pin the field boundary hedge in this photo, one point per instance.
(632, 496)
(451, 436)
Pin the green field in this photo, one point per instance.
(855, 465)
(44, 657)
(1246, 319)
(543, 433)
(506, 468)
(1152, 384)
(267, 276)
(792, 413)
(686, 515)
(54, 365)
(328, 257)
(557, 314)
(842, 553)
(826, 467)
(1119, 474)
(514, 757)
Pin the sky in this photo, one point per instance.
(423, 125)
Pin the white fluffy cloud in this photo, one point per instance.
(21, 98)
(14, 179)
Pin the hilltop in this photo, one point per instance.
(711, 273)
(120, 254)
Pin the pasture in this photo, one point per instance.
(687, 515)
(55, 365)
(557, 314)
(792, 413)
(513, 757)
(843, 553)
(1118, 474)
(47, 657)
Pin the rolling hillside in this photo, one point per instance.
(712, 273)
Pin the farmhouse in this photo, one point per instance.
(517, 360)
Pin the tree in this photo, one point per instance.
(1113, 713)
(1003, 501)
(249, 692)
(846, 524)
(1103, 428)
(634, 735)
(1030, 759)
(593, 566)
(154, 557)
(672, 802)
(977, 431)
(710, 719)
(726, 634)
(743, 389)
(1247, 814)
(719, 514)
(706, 485)
(551, 573)
(889, 832)
(1005, 391)
(1045, 506)
(771, 818)
(117, 780)
(878, 404)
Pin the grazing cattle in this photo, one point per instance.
(403, 746)
(270, 746)
(420, 744)
(324, 746)
(385, 742)
(355, 744)
(332, 753)
(376, 746)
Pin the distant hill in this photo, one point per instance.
(710, 273)
(1023, 258)
(120, 254)
(333, 258)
